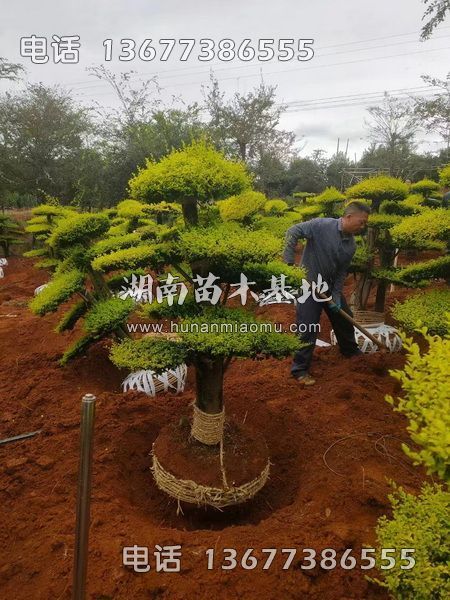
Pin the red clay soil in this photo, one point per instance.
(332, 449)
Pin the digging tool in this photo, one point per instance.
(383, 348)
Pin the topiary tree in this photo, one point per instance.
(330, 201)
(195, 174)
(10, 233)
(427, 188)
(392, 206)
(211, 260)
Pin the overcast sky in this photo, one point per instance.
(360, 48)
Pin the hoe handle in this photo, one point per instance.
(363, 330)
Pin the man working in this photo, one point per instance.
(329, 250)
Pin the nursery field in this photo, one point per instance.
(332, 448)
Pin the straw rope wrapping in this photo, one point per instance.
(189, 491)
(207, 428)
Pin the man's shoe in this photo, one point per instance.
(306, 380)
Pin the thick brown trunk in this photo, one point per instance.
(190, 211)
(209, 380)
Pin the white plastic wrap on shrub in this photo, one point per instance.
(322, 344)
(2, 273)
(385, 333)
(151, 383)
(39, 289)
(3, 262)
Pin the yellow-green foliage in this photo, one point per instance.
(423, 523)
(71, 317)
(390, 207)
(147, 353)
(242, 207)
(277, 225)
(309, 211)
(425, 383)
(262, 274)
(197, 171)
(444, 176)
(78, 347)
(254, 337)
(128, 258)
(420, 231)
(107, 315)
(417, 274)
(163, 208)
(35, 253)
(426, 309)
(38, 227)
(130, 209)
(57, 291)
(329, 196)
(383, 221)
(225, 248)
(50, 210)
(115, 243)
(424, 186)
(379, 188)
(213, 333)
(414, 201)
(275, 207)
(77, 229)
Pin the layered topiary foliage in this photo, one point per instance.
(242, 207)
(217, 254)
(44, 220)
(377, 189)
(82, 251)
(191, 176)
(330, 201)
(426, 309)
(398, 222)
(275, 207)
(10, 234)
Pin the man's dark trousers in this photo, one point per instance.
(308, 314)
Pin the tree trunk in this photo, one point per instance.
(190, 211)
(387, 258)
(209, 379)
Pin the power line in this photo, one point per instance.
(258, 64)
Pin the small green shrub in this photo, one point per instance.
(426, 309)
(422, 523)
(426, 387)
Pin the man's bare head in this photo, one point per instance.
(355, 217)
